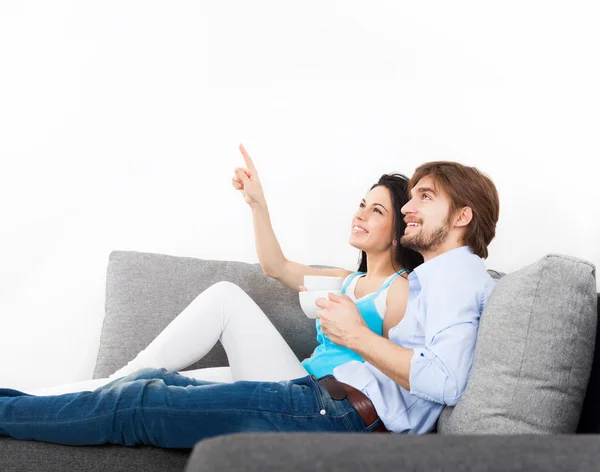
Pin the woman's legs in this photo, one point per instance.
(254, 347)
(82, 386)
(210, 374)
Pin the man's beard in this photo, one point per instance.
(427, 242)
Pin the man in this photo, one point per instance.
(402, 386)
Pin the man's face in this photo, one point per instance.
(427, 215)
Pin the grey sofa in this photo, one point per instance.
(536, 335)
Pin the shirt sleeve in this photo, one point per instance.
(439, 370)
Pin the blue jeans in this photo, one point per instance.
(166, 409)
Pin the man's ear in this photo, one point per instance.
(465, 215)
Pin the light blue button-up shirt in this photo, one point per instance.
(445, 300)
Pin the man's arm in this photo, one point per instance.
(391, 359)
(436, 372)
(342, 323)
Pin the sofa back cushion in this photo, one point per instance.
(534, 353)
(145, 291)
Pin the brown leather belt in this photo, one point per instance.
(361, 403)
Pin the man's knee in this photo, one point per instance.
(145, 373)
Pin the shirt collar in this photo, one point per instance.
(452, 257)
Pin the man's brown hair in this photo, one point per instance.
(466, 186)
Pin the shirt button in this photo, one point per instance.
(322, 412)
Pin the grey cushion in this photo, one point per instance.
(534, 353)
(335, 452)
(22, 456)
(145, 291)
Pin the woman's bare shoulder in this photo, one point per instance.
(397, 294)
(396, 300)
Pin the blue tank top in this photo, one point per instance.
(327, 354)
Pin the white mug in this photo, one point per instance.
(308, 300)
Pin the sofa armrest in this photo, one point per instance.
(384, 452)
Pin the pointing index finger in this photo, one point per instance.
(247, 158)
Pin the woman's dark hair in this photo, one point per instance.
(397, 184)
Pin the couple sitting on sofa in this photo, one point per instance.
(421, 275)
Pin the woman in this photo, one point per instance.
(255, 349)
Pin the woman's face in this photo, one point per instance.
(373, 223)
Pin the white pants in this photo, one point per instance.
(254, 347)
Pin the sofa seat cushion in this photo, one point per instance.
(19, 456)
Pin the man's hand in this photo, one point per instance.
(342, 323)
(340, 319)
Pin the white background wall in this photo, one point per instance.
(119, 125)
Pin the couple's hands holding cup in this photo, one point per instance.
(316, 287)
(339, 316)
